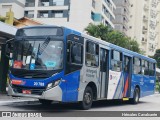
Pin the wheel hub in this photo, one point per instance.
(87, 98)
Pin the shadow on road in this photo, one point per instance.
(65, 107)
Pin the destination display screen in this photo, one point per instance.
(40, 31)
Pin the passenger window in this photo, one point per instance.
(116, 61)
(151, 69)
(126, 64)
(92, 54)
(145, 70)
(136, 66)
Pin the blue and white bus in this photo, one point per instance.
(54, 63)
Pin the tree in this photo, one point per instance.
(112, 36)
(98, 31)
(157, 57)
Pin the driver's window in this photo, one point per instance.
(74, 53)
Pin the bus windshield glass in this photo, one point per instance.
(38, 54)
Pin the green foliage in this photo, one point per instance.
(157, 86)
(112, 36)
(1, 19)
(157, 57)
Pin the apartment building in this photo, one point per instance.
(121, 15)
(76, 14)
(144, 24)
(16, 5)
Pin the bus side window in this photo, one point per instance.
(92, 54)
(146, 72)
(136, 66)
(145, 68)
(69, 43)
(116, 61)
(151, 69)
(126, 64)
(74, 56)
(74, 53)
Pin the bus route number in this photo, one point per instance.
(38, 84)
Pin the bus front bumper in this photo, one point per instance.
(54, 94)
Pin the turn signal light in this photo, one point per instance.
(16, 82)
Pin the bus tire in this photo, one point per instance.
(86, 103)
(45, 102)
(136, 96)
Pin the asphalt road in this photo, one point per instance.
(149, 103)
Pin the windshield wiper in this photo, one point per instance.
(43, 46)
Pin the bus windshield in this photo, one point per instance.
(38, 54)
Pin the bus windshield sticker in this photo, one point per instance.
(11, 62)
(17, 64)
(32, 65)
(24, 58)
(28, 59)
(50, 64)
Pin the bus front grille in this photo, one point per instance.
(34, 91)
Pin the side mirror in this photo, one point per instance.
(9, 48)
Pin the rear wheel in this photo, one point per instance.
(45, 102)
(136, 96)
(87, 98)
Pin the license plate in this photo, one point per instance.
(26, 91)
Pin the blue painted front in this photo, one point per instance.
(30, 82)
(71, 84)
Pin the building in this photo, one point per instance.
(17, 6)
(121, 15)
(76, 14)
(144, 24)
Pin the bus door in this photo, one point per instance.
(127, 76)
(104, 71)
(116, 81)
(74, 61)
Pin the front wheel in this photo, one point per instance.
(45, 102)
(136, 96)
(87, 99)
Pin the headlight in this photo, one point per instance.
(53, 84)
